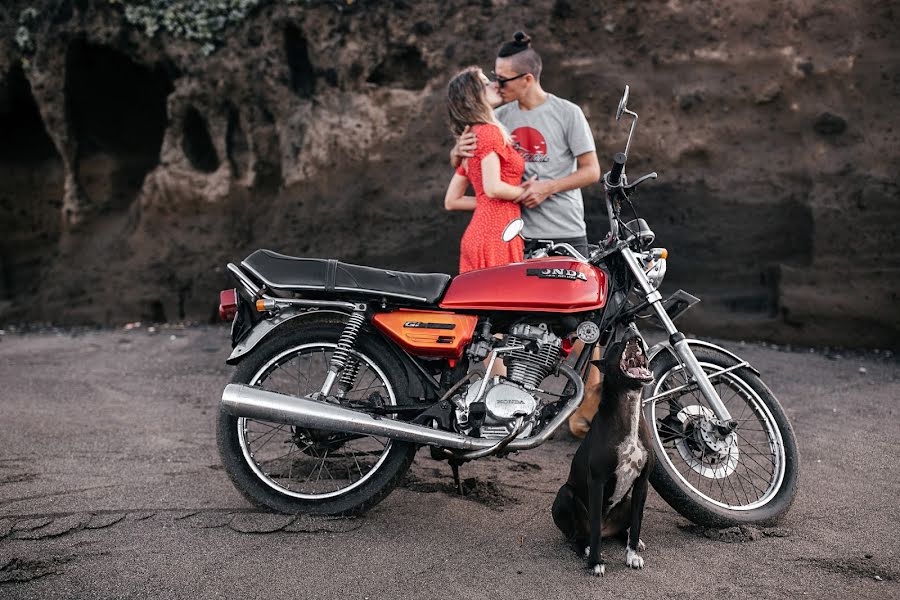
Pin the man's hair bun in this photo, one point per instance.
(521, 41)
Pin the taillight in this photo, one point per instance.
(227, 304)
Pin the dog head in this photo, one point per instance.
(625, 363)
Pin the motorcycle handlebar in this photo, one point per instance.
(615, 174)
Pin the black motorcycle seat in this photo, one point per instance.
(282, 272)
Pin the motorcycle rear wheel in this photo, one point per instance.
(750, 476)
(293, 470)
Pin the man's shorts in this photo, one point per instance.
(579, 243)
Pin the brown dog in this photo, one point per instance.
(580, 421)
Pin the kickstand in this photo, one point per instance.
(454, 465)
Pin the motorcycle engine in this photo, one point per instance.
(540, 356)
(506, 399)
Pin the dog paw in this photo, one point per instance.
(599, 570)
(587, 551)
(641, 545)
(633, 559)
(579, 426)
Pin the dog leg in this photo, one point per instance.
(565, 515)
(595, 500)
(638, 497)
(617, 519)
(641, 545)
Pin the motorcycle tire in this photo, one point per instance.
(263, 482)
(739, 480)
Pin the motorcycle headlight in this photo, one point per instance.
(657, 272)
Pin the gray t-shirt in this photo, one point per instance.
(549, 138)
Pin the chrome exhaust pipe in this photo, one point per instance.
(255, 403)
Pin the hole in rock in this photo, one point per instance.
(31, 187)
(236, 143)
(402, 67)
(197, 143)
(302, 72)
(117, 110)
(24, 136)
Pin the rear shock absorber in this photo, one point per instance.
(342, 356)
(348, 376)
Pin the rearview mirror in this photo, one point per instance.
(513, 229)
(623, 104)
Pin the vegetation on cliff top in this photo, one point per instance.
(200, 21)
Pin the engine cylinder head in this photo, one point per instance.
(532, 364)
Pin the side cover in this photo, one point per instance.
(427, 333)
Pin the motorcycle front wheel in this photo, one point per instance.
(294, 470)
(746, 477)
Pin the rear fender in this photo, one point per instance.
(420, 385)
(264, 327)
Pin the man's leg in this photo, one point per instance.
(580, 421)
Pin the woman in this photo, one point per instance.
(495, 172)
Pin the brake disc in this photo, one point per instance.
(703, 449)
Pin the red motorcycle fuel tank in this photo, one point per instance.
(553, 284)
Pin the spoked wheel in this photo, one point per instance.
(292, 469)
(719, 474)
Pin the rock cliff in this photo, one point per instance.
(134, 166)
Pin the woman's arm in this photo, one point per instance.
(491, 182)
(455, 198)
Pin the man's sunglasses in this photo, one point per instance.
(501, 81)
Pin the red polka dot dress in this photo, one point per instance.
(481, 245)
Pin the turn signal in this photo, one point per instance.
(263, 304)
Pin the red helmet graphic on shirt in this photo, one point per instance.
(530, 144)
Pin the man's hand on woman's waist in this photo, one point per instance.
(465, 147)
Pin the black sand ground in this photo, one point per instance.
(111, 487)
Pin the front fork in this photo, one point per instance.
(677, 339)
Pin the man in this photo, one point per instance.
(555, 140)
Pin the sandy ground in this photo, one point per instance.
(111, 487)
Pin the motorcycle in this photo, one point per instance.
(345, 371)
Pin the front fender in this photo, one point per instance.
(265, 327)
(666, 345)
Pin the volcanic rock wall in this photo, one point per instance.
(132, 168)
